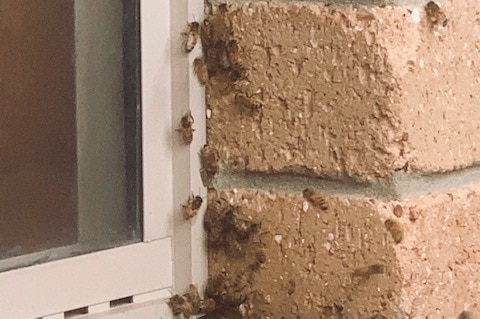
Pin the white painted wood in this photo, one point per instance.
(55, 316)
(85, 280)
(157, 309)
(156, 119)
(101, 307)
(152, 295)
(190, 258)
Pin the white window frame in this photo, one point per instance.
(172, 253)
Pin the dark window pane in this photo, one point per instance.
(69, 128)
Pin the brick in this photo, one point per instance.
(342, 91)
(317, 261)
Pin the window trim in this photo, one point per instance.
(172, 254)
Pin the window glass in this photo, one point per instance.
(69, 128)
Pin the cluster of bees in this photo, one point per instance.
(224, 55)
(191, 303)
(228, 229)
(234, 234)
(232, 294)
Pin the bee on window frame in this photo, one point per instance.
(190, 209)
(186, 128)
(435, 15)
(315, 199)
(201, 70)
(191, 36)
(193, 297)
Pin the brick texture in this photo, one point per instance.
(335, 91)
(316, 260)
(303, 88)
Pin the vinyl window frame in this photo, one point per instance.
(172, 253)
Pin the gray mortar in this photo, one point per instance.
(406, 3)
(398, 187)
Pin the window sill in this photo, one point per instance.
(85, 280)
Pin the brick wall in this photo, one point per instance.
(375, 109)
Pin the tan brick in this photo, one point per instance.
(315, 259)
(342, 91)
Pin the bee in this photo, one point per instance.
(201, 70)
(215, 286)
(367, 271)
(251, 104)
(222, 8)
(240, 281)
(233, 53)
(435, 15)
(316, 199)
(234, 247)
(207, 305)
(260, 259)
(180, 305)
(209, 159)
(365, 16)
(242, 228)
(237, 72)
(465, 315)
(238, 290)
(398, 211)
(378, 316)
(214, 223)
(339, 17)
(191, 36)
(193, 297)
(291, 287)
(396, 229)
(190, 209)
(186, 129)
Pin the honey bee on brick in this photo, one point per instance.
(201, 70)
(186, 128)
(435, 15)
(237, 70)
(396, 230)
(190, 209)
(191, 36)
(207, 305)
(209, 159)
(367, 271)
(466, 315)
(251, 104)
(315, 199)
(260, 259)
(233, 53)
